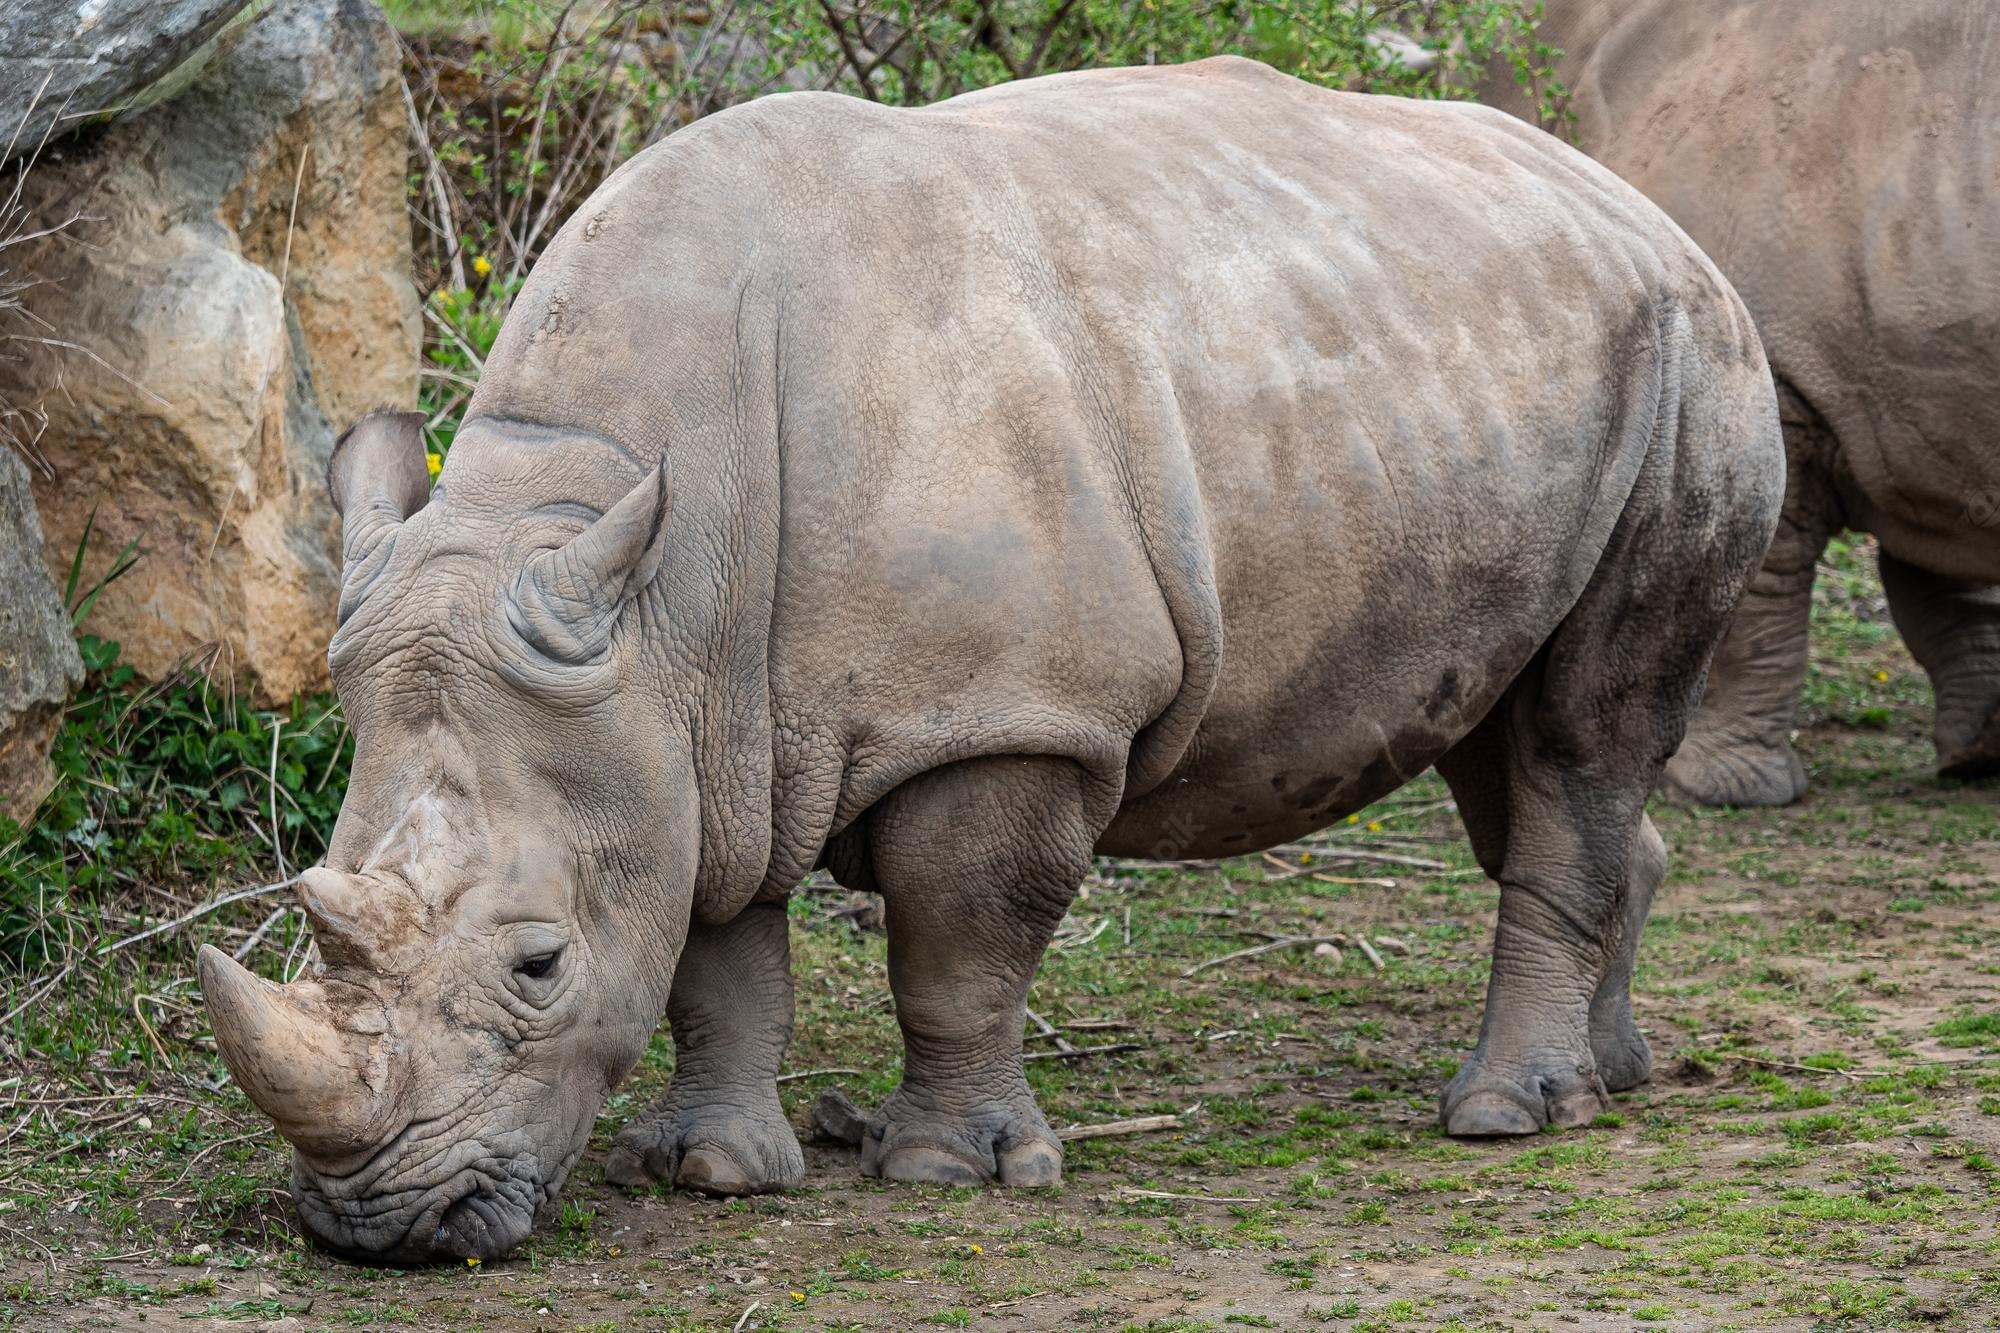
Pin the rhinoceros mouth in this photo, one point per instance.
(480, 1211)
(472, 1215)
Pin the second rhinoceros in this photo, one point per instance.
(1840, 161)
(1154, 461)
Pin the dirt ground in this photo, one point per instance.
(1817, 1148)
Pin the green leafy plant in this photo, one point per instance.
(178, 783)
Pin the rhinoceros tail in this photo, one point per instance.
(1175, 529)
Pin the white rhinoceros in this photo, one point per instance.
(1151, 461)
(1840, 162)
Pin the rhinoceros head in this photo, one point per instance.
(507, 887)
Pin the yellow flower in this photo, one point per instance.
(1305, 858)
(481, 265)
(1374, 827)
(472, 1261)
(435, 464)
(977, 1250)
(1881, 675)
(798, 1296)
(1354, 819)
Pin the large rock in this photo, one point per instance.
(65, 59)
(230, 335)
(38, 662)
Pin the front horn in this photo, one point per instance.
(319, 1068)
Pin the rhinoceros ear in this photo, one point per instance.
(566, 600)
(378, 478)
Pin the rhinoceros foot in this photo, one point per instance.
(1005, 1141)
(720, 1149)
(1710, 770)
(1969, 747)
(1482, 1103)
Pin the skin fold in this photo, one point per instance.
(1839, 160)
(1149, 462)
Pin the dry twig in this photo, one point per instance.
(1132, 1192)
(1145, 1124)
(1289, 942)
(1079, 1052)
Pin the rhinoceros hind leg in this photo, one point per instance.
(1953, 630)
(1552, 785)
(1738, 750)
(1475, 770)
(977, 862)
(1535, 1064)
(720, 1129)
(1624, 1059)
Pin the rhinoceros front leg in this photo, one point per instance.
(976, 862)
(720, 1129)
(1738, 749)
(1953, 630)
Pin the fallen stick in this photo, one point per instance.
(744, 1318)
(1078, 1052)
(1044, 1028)
(1145, 1124)
(1351, 879)
(1351, 853)
(1290, 942)
(1135, 1193)
(1357, 854)
(1078, 941)
(245, 949)
(1854, 1075)
(1361, 942)
(817, 1073)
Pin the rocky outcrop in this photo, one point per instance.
(61, 60)
(38, 662)
(240, 282)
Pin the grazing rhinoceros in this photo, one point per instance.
(1840, 161)
(1155, 461)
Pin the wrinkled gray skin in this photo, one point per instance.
(1839, 160)
(1149, 462)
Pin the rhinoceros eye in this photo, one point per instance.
(539, 966)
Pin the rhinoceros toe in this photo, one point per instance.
(719, 1151)
(1489, 1115)
(1006, 1142)
(1481, 1104)
(923, 1164)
